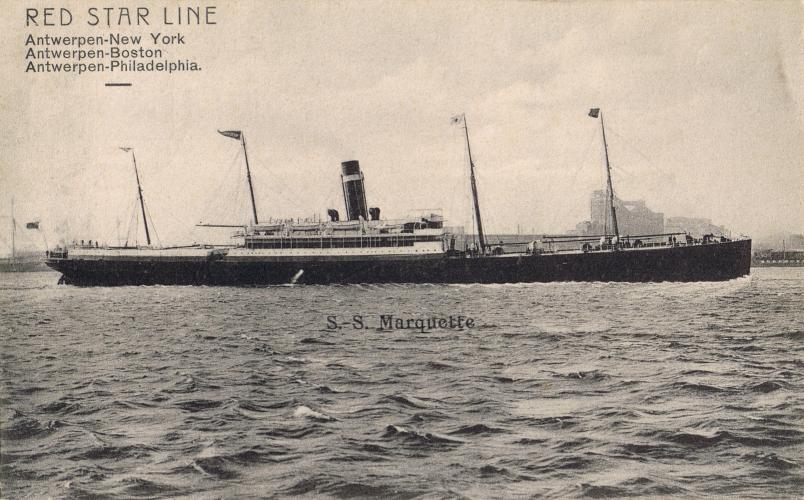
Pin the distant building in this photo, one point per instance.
(581, 228)
(633, 217)
(778, 258)
(694, 226)
(796, 241)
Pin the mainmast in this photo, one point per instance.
(139, 193)
(239, 135)
(594, 114)
(480, 236)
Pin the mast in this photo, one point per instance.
(480, 236)
(142, 202)
(240, 136)
(248, 176)
(593, 113)
(139, 193)
(608, 176)
(13, 231)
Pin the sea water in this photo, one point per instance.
(559, 390)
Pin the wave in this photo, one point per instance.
(593, 375)
(405, 400)
(561, 463)
(477, 429)
(110, 452)
(412, 436)
(139, 487)
(791, 335)
(698, 372)
(694, 440)
(263, 407)
(659, 451)
(183, 386)
(325, 389)
(428, 416)
(198, 405)
(439, 365)
(291, 433)
(749, 436)
(216, 467)
(23, 427)
(604, 491)
(311, 340)
(696, 388)
(325, 485)
(219, 465)
(768, 386)
(772, 461)
(25, 391)
(307, 412)
(636, 487)
(59, 407)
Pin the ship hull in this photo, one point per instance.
(712, 262)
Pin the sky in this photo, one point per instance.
(702, 103)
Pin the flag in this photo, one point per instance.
(32, 225)
(456, 119)
(594, 112)
(126, 149)
(234, 134)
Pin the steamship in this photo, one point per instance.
(364, 248)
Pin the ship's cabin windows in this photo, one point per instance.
(388, 240)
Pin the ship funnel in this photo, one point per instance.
(354, 193)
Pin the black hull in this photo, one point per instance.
(713, 262)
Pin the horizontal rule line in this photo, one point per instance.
(112, 84)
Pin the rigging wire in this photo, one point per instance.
(585, 157)
(130, 219)
(228, 196)
(647, 158)
(238, 159)
(582, 164)
(133, 226)
(648, 162)
(153, 226)
(628, 173)
(281, 183)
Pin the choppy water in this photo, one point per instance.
(566, 390)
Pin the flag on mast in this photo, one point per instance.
(234, 134)
(126, 149)
(32, 225)
(594, 112)
(456, 119)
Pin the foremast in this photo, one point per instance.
(594, 112)
(240, 136)
(480, 235)
(139, 195)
